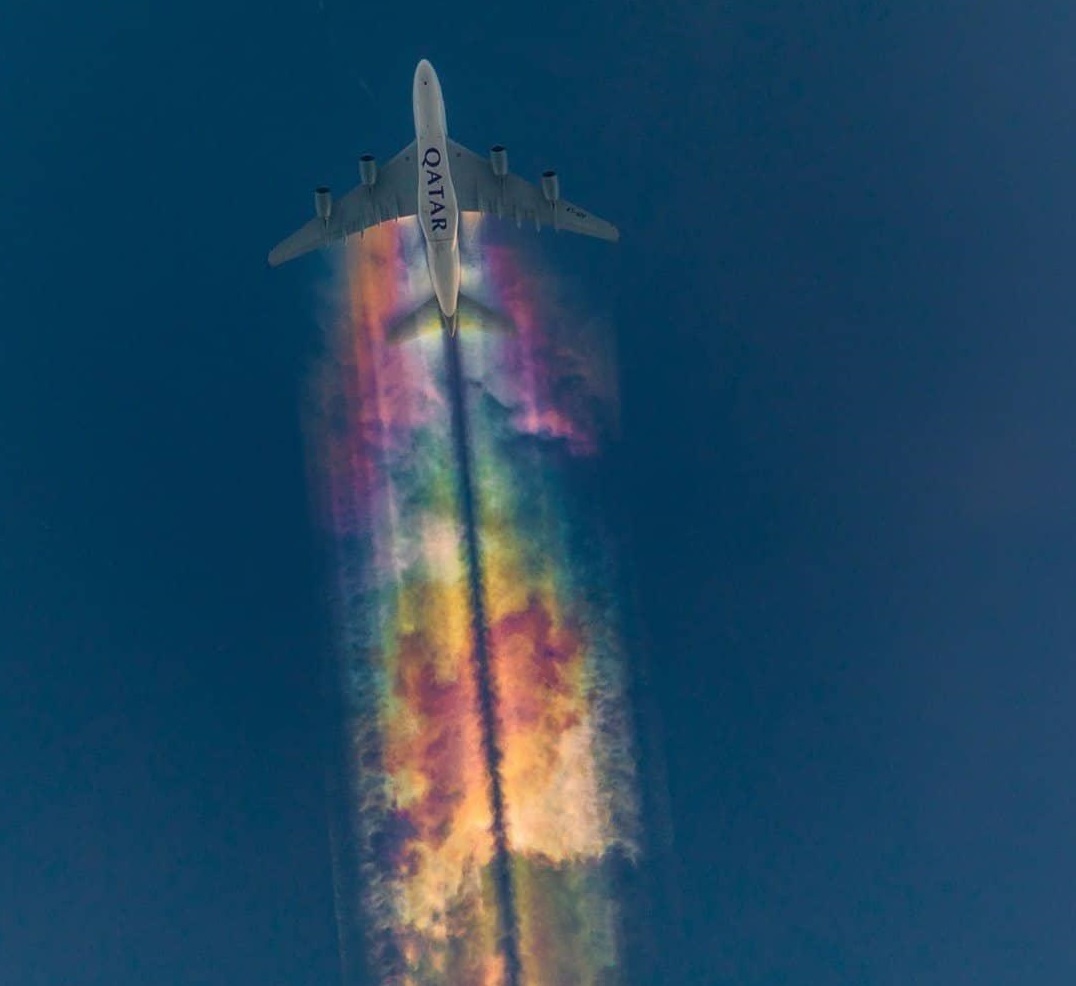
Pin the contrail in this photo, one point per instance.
(488, 828)
(487, 692)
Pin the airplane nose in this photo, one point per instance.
(427, 99)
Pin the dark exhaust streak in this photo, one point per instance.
(486, 687)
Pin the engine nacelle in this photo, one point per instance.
(368, 169)
(550, 186)
(323, 203)
(498, 160)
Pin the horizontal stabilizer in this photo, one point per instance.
(470, 314)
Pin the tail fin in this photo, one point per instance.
(451, 324)
(469, 314)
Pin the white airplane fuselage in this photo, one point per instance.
(438, 211)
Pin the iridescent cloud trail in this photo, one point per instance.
(489, 784)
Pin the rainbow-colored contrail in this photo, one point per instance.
(489, 776)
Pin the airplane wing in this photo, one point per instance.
(394, 194)
(478, 189)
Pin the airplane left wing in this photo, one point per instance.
(478, 189)
(393, 194)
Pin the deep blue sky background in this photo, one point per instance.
(845, 310)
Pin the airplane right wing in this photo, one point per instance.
(393, 194)
(478, 189)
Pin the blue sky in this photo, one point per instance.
(844, 314)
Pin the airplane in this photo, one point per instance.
(436, 178)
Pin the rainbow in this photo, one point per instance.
(488, 782)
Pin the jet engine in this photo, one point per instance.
(550, 186)
(368, 169)
(498, 160)
(323, 203)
